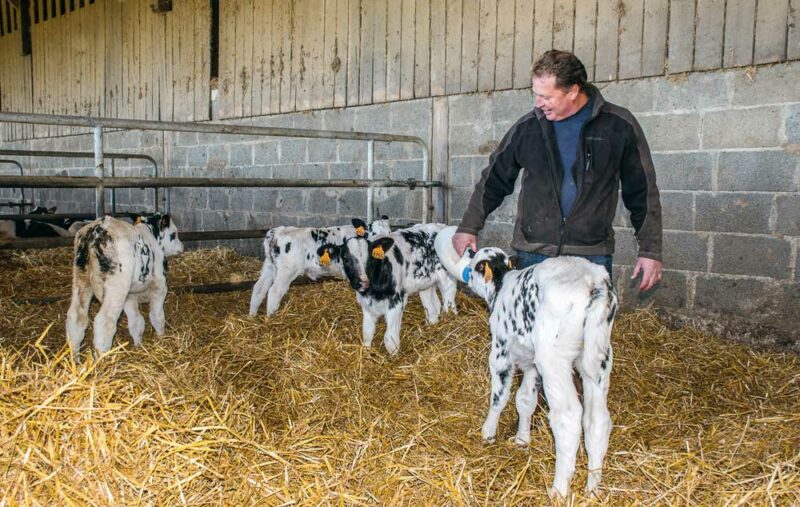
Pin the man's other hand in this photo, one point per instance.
(650, 270)
(462, 240)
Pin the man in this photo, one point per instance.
(575, 149)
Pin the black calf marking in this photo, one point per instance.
(288, 246)
(397, 299)
(604, 362)
(96, 239)
(612, 313)
(320, 236)
(147, 257)
(398, 256)
(276, 250)
(503, 375)
(422, 245)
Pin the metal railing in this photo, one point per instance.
(100, 182)
(87, 154)
(22, 203)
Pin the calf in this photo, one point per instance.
(29, 228)
(121, 265)
(291, 251)
(548, 320)
(387, 269)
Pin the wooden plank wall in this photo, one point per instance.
(333, 53)
(15, 72)
(114, 58)
(118, 58)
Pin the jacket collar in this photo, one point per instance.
(594, 95)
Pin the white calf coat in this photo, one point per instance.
(547, 320)
(121, 265)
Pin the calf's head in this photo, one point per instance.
(365, 264)
(164, 230)
(376, 228)
(489, 267)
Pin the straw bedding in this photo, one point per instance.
(291, 410)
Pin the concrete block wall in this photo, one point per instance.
(726, 146)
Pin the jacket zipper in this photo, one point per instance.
(577, 199)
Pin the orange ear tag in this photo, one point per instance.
(487, 274)
(360, 231)
(138, 221)
(378, 253)
(325, 258)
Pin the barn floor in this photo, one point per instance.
(231, 410)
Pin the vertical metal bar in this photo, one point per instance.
(113, 190)
(99, 172)
(155, 190)
(370, 175)
(426, 192)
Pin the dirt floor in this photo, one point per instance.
(226, 409)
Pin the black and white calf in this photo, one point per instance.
(548, 320)
(290, 252)
(121, 265)
(387, 269)
(28, 228)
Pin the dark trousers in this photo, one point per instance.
(532, 258)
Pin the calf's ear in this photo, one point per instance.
(513, 262)
(360, 226)
(164, 221)
(327, 253)
(379, 248)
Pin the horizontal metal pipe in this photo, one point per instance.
(41, 243)
(217, 235)
(54, 217)
(50, 217)
(77, 154)
(207, 128)
(206, 288)
(91, 182)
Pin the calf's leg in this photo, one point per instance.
(135, 320)
(78, 314)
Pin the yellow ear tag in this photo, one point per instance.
(360, 230)
(378, 253)
(325, 258)
(138, 221)
(487, 274)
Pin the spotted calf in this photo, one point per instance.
(386, 270)
(548, 320)
(121, 265)
(292, 251)
(44, 228)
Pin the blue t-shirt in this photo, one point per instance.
(568, 132)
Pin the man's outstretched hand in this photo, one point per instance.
(650, 270)
(462, 240)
